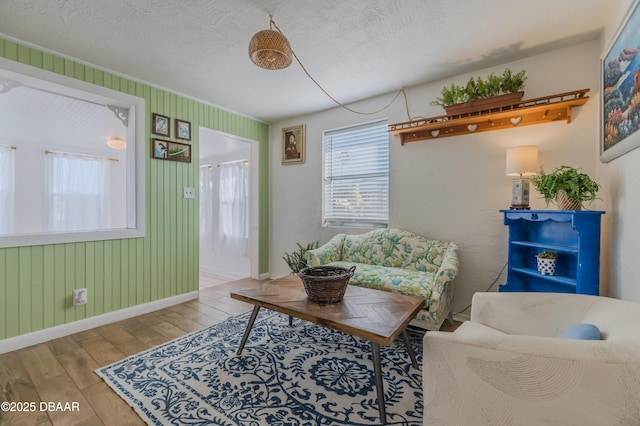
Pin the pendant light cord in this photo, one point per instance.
(400, 92)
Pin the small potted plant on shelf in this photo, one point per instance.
(547, 262)
(566, 186)
(482, 94)
(297, 260)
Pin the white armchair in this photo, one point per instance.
(506, 365)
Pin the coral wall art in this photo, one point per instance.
(620, 90)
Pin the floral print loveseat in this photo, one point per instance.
(398, 260)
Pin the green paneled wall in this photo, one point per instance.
(36, 282)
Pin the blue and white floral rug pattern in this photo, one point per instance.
(301, 375)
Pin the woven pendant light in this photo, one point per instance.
(270, 49)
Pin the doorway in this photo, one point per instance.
(228, 251)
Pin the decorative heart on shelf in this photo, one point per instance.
(435, 133)
(472, 127)
(516, 120)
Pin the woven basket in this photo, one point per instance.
(326, 284)
(566, 203)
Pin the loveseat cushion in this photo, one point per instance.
(394, 248)
(405, 281)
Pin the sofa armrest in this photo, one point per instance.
(449, 267)
(329, 252)
(484, 378)
(530, 313)
(442, 291)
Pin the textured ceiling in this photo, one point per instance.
(354, 48)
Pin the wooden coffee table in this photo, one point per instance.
(374, 315)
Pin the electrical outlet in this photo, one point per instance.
(80, 297)
(189, 192)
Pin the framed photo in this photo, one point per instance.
(160, 149)
(160, 125)
(172, 151)
(293, 144)
(620, 90)
(183, 130)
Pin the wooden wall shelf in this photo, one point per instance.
(523, 113)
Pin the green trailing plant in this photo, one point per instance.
(577, 186)
(297, 260)
(547, 255)
(479, 88)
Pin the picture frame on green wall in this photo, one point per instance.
(160, 125)
(183, 129)
(160, 149)
(172, 151)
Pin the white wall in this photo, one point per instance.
(620, 179)
(451, 188)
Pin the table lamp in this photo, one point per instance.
(522, 163)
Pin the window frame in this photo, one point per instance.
(135, 153)
(354, 222)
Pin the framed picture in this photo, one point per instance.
(160, 149)
(293, 144)
(173, 151)
(620, 90)
(160, 125)
(183, 130)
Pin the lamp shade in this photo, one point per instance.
(522, 161)
(270, 49)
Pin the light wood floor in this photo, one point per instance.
(62, 370)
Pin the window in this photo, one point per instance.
(233, 225)
(41, 112)
(6, 189)
(224, 208)
(77, 192)
(356, 176)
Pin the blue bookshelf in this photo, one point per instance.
(573, 235)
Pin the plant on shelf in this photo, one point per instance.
(297, 260)
(547, 255)
(566, 186)
(478, 88)
(547, 262)
(511, 83)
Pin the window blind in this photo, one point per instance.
(356, 176)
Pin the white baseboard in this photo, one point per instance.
(233, 276)
(226, 274)
(461, 317)
(40, 336)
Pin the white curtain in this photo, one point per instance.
(233, 219)
(208, 208)
(7, 173)
(76, 192)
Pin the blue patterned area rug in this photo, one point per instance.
(301, 375)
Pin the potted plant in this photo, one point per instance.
(478, 94)
(297, 260)
(547, 262)
(566, 186)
